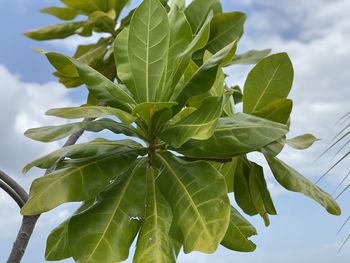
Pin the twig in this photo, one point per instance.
(14, 186)
(12, 193)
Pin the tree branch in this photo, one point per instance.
(216, 160)
(28, 222)
(22, 194)
(12, 193)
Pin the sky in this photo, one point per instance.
(315, 33)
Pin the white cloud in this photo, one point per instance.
(23, 106)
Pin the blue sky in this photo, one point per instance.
(318, 46)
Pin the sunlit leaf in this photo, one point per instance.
(147, 47)
(235, 135)
(271, 79)
(198, 125)
(109, 227)
(197, 194)
(79, 180)
(238, 232)
(290, 179)
(154, 244)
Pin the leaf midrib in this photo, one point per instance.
(266, 87)
(187, 193)
(116, 208)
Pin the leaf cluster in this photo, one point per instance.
(167, 184)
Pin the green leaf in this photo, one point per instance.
(64, 13)
(238, 134)
(302, 142)
(242, 191)
(148, 46)
(121, 57)
(91, 112)
(205, 76)
(198, 11)
(86, 6)
(260, 194)
(228, 170)
(78, 180)
(271, 79)
(251, 57)
(146, 110)
(100, 87)
(108, 229)
(180, 38)
(154, 244)
(293, 181)
(278, 111)
(98, 21)
(198, 125)
(238, 232)
(224, 29)
(53, 133)
(201, 38)
(96, 147)
(57, 244)
(54, 31)
(197, 194)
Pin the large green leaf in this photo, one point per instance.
(78, 180)
(55, 31)
(251, 57)
(91, 112)
(57, 244)
(96, 147)
(197, 193)
(278, 111)
(293, 181)
(238, 232)
(107, 229)
(199, 125)
(224, 29)
(180, 37)
(148, 47)
(100, 87)
(154, 244)
(64, 13)
(205, 77)
(198, 11)
(53, 133)
(240, 133)
(271, 79)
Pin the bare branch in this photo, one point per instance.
(12, 193)
(14, 186)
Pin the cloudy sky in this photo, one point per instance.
(315, 33)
